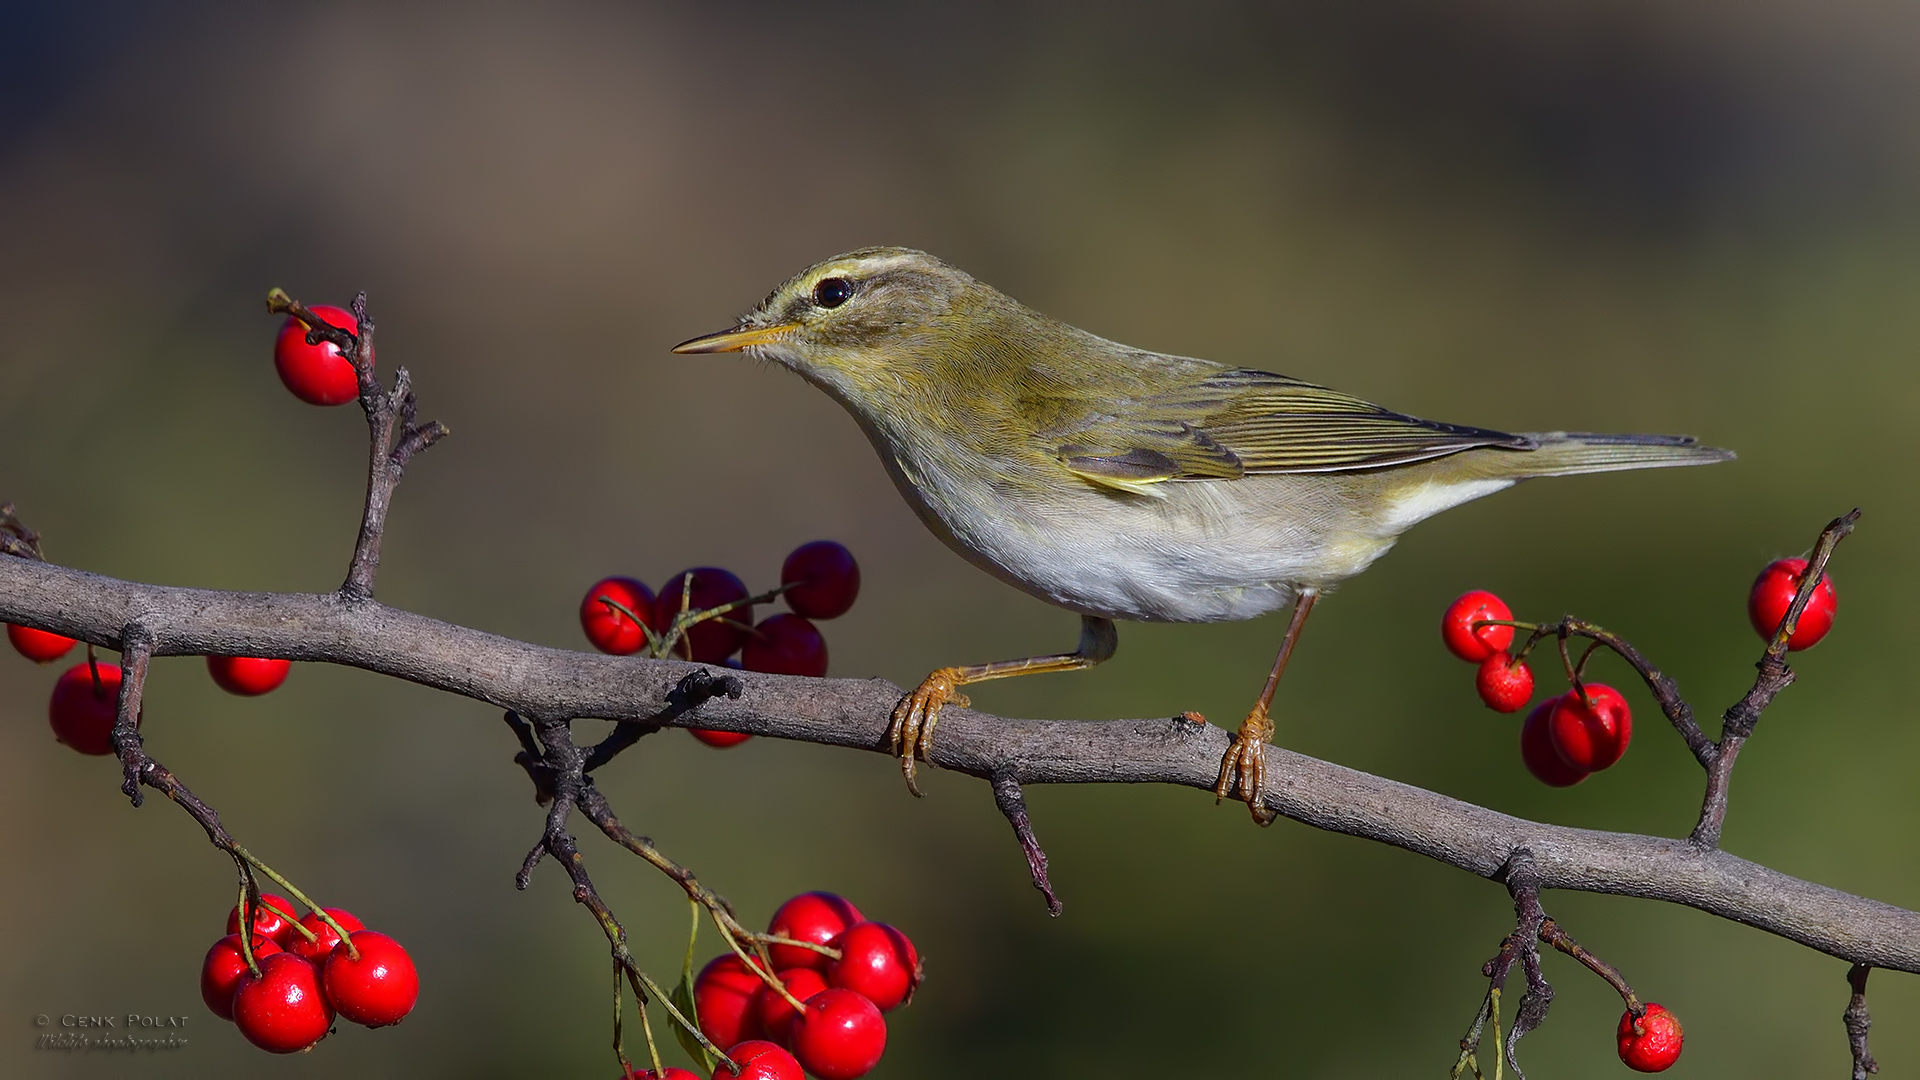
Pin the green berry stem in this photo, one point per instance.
(646, 1025)
(248, 887)
(345, 938)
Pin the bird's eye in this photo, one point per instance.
(832, 292)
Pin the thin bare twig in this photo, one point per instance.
(15, 538)
(136, 650)
(1013, 804)
(1529, 917)
(1858, 1021)
(387, 454)
(1774, 676)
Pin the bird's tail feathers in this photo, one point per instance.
(1569, 453)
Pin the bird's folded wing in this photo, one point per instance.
(1228, 423)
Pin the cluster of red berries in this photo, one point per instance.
(86, 697)
(706, 615)
(840, 1034)
(306, 974)
(1570, 737)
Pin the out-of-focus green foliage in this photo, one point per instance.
(1607, 216)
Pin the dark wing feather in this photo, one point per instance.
(1235, 421)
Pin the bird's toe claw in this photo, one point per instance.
(1243, 768)
(910, 733)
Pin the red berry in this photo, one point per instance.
(1458, 632)
(818, 917)
(1536, 749)
(317, 374)
(723, 994)
(248, 676)
(283, 1009)
(671, 1074)
(760, 1060)
(719, 739)
(821, 580)
(785, 644)
(1504, 683)
(220, 972)
(841, 1036)
(324, 938)
(776, 1013)
(1652, 1044)
(715, 639)
(82, 711)
(1591, 737)
(610, 629)
(273, 919)
(38, 645)
(1773, 593)
(379, 988)
(876, 961)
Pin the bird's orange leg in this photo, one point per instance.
(1245, 763)
(911, 732)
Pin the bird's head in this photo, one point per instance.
(866, 326)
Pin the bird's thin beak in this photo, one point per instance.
(736, 339)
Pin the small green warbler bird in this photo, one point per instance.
(1125, 484)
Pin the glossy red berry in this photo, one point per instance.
(324, 939)
(723, 994)
(840, 1037)
(1773, 593)
(1591, 735)
(1651, 1044)
(818, 917)
(821, 580)
(760, 1060)
(38, 645)
(282, 1010)
(1457, 628)
(273, 919)
(715, 639)
(379, 988)
(775, 1012)
(719, 739)
(317, 374)
(220, 972)
(877, 962)
(785, 644)
(82, 708)
(610, 629)
(248, 676)
(1504, 683)
(1536, 750)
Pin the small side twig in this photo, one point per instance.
(696, 689)
(1551, 934)
(1529, 917)
(1858, 1021)
(136, 650)
(1013, 804)
(1774, 676)
(572, 787)
(16, 539)
(387, 453)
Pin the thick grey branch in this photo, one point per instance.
(543, 683)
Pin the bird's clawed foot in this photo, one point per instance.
(1243, 769)
(911, 732)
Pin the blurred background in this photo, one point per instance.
(1638, 216)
